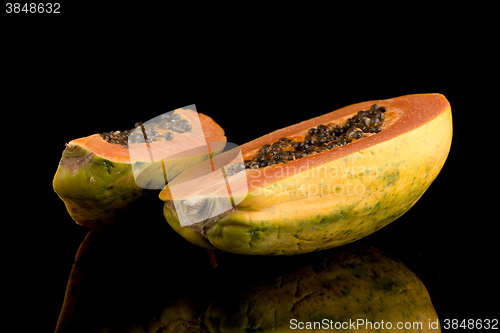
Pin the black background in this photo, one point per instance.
(59, 85)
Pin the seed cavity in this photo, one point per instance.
(170, 122)
(322, 138)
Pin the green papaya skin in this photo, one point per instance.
(98, 192)
(104, 187)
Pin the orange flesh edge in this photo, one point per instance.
(181, 142)
(402, 115)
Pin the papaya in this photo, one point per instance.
(318, 184)
(101, 177)
(349, 289)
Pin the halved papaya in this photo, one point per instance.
(378, 159)
(100, 176)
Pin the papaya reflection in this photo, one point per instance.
(175, 290)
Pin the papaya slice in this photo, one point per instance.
(328, 197)
(101, 176)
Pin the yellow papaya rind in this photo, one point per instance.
(288, 217)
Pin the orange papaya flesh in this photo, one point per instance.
(330, 198)
(99, 182)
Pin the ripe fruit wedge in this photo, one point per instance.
(99, 181)
(325, 199)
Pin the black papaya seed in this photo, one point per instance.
(254, 165)
(300, 155)
(310, 149)
(312, 131)
(323, 129)
(363, 127)
(357, 135)
(264, 150)
(169, 136)
(309, 140)
(239, 166)
(276, 157)
(259, 157)
(373, 121)
(298, 146)
(320, 141)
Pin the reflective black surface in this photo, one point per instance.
(129, 281)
